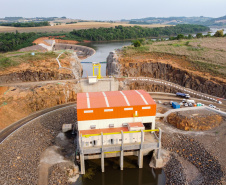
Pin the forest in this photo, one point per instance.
(16, 41)
(122, 33)
(27, 24)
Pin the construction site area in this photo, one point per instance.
(144, 122)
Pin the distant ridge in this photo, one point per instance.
(206, 21)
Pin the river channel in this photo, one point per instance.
(103, 49)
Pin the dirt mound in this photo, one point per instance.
(33, 48)
(193, 120)
(161, 110)
(19, 102)
(43, 41)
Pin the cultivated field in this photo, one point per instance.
(203, 55)
(70, 27)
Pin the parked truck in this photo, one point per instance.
(183, 95)
(176, 105)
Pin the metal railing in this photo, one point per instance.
(126, 132)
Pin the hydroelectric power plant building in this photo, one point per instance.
(112, 124)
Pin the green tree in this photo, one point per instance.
(136, 43)
(180, 36)
(219, 33)
(199, 35)
(190, 36)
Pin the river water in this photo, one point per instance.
(102, 52)
(131, 174)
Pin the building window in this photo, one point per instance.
(112, 141)
(111, 125)
(146, 107)
(129, 108)
(108, 110)
(93, 126)
(88, 111)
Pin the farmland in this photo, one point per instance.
(71, 27)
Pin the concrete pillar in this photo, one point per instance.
(82, 162)
(121, 153)
(140, 154)
(121, 160)
(159, 144)
(102, 161)
(140, 159)
(102, 152)
(153, 125)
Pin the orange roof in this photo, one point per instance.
(136, 124)
(113, 99)
(106, 130)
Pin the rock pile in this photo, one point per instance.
(194, 121)
(174, 172)
(59, 173)
(195, 153)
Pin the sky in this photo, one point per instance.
(111, 9)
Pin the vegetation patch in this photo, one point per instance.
(207, 67)
(7, 62)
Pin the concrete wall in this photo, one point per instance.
(110, 139)
(80, 50)
(104, 123)
(105, 84)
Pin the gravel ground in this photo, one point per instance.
(20, 153)
(174, 171)
(58, 175)
(194, 152)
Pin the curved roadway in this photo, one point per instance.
(12, 128)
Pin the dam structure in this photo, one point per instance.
(112, 124)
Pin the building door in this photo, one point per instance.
(94, 142)
(147, 125)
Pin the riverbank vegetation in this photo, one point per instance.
(15, 41)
